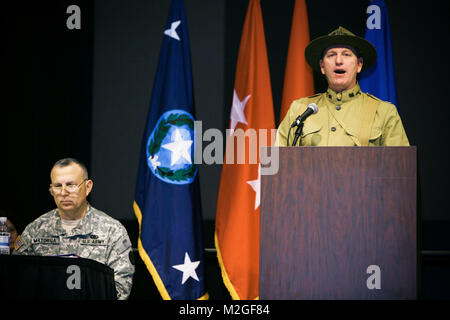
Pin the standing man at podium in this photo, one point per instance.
(345, 116)
(77, 228)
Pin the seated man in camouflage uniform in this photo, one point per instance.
(75, 227)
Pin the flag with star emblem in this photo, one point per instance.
(238, 203)
(167, 198)
(298, 75)
(379, 80)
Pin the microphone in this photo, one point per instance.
(312, 108)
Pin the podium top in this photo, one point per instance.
(55, 261)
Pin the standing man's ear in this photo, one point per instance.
(360, 64)
(321, 66)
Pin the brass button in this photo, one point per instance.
(338, 108)
(333, 129)
(339, 96)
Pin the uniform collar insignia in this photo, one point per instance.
(344, 96)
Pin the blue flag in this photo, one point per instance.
(379, 80)
(167, 199)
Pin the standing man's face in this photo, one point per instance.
(63, 180)
(340, 65)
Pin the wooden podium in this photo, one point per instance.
(340, 223)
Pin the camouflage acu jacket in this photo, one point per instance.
(98, 237)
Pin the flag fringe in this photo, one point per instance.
(149, 264)
(226, 279)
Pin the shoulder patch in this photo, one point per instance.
(18, 243)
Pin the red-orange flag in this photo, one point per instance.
(298, 76)
(238, 203)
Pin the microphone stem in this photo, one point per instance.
(298, 133)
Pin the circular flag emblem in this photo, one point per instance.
(170, 148)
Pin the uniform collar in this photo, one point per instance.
(344, 96)
(84, 227)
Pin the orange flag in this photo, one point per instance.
(238, 203)
(298, 76)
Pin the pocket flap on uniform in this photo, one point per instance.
(351, 131)
(375, 133)
(311, 127)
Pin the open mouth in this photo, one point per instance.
(339, 71)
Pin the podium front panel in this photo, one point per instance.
(55, 278)
(340, 223)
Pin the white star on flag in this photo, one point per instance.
(172, 32)
(154, 161)
(188, 268)
(237, 110)
(256, 186)
(181, 149)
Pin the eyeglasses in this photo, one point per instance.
(70, 188)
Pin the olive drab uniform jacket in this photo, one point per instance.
(98, 237)
(338, 121)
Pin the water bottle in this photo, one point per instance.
(4, 236)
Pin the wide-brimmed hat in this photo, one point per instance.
(341, 36)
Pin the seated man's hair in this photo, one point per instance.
(68, 161)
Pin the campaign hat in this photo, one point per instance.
(316, 48)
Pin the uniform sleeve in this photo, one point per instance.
(23, 243)
(121, 260)
(393, 132)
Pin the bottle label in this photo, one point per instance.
(4, 240)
